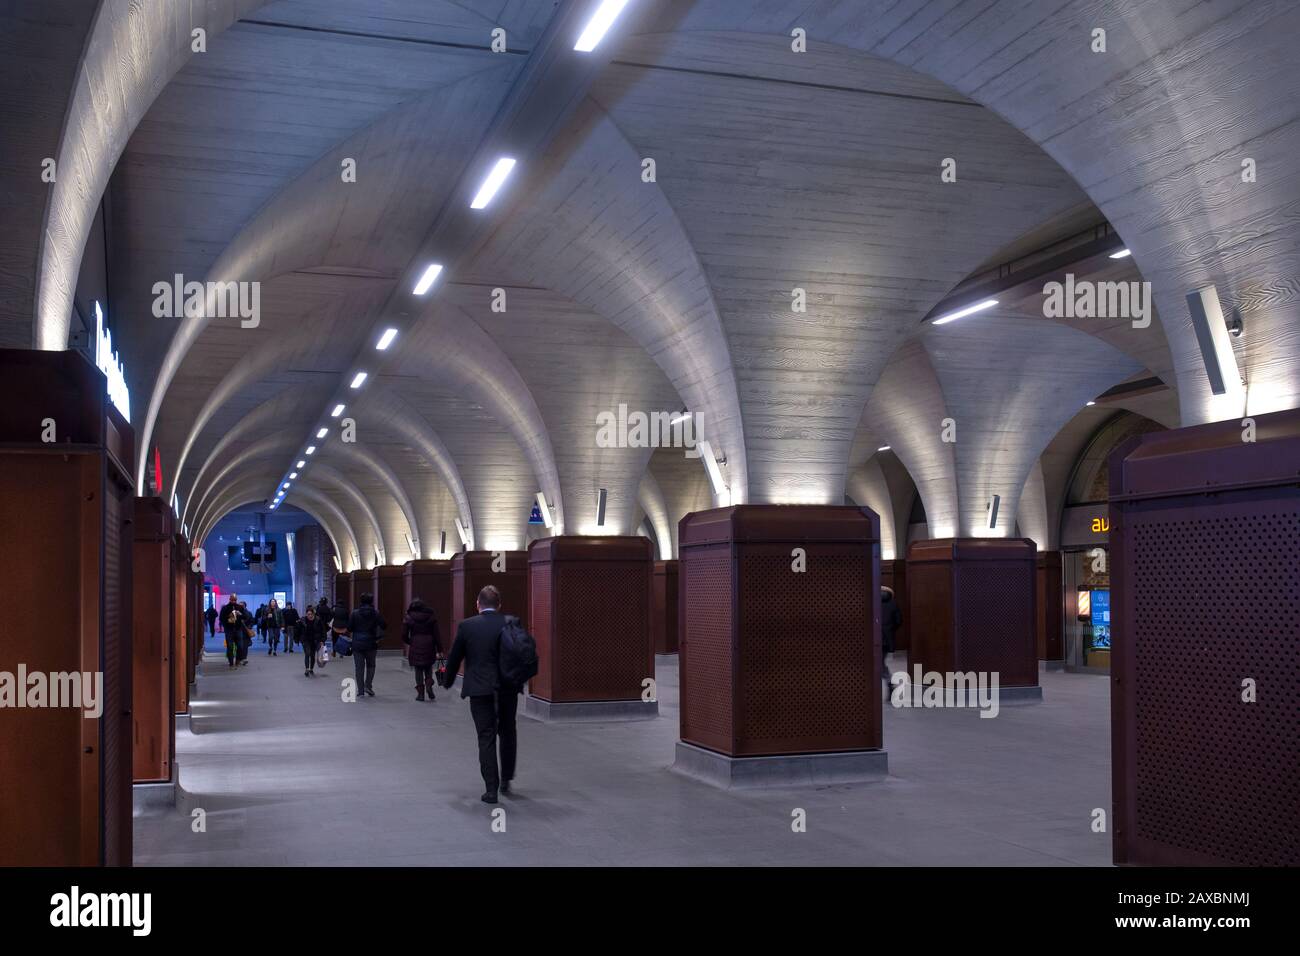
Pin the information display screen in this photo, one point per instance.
(1100, 618)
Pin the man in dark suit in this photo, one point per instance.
(492, 701)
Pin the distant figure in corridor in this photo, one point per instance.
(272, 626)
(420, 634)
(210, 615)
(235, 622)
(311, 632)
(290, 625)
(492, 702)
(891, 619)
(367, 628)
(323, 611)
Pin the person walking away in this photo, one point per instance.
(272, 626)
(210, 615)
(493, 702)
(311, 632)
(233, 623)
(420, 634)
(324, 611)
(891, 619)
(367, 629)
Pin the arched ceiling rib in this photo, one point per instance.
(834, 189)
(1150, 129)
(363, 228)
(134, 49)
(322, 474)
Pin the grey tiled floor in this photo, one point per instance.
(288, 774)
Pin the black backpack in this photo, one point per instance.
(517, 657)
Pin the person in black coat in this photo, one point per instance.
(310, 631)
(367, 628)
(492, 702)
(424, 645)
(210, 615)
(235, 621)
(291, 619)
(891, 619)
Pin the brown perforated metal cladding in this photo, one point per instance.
(539, 600)
(996, 629)
(705, 647)
(790, 653)
(1217, 603)
(594, 632)
(1205, 595)
(603, 620)
(780, 653)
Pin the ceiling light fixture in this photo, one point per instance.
(1122, 254)
(427, 280)
(386, 339)
(301, 464)
(599, 25)
(359, 379)
(293, 475)
(883, 448)
(338, 410)
(969, 310)
(321, 434)
(495, 180)
(311, 449)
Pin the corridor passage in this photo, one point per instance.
(288, 774)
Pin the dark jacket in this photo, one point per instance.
(290, 615)
(891, 619)
(210, 614)
(420, 631)
(367, 627)
(338, 618)
(323, 611)
(310, 632)
(234, 619)
(477, 644)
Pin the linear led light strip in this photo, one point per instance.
(599, 25)
(962, 313)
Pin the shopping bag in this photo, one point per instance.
(322, 654)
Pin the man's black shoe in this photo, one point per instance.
(489, 797)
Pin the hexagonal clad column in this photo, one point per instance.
(430, 580)
(590, 599)
(780, 645)
(472, 570)
(343, 589)
(387, 585)
(973, 609)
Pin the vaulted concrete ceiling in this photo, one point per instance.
(775, 171)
